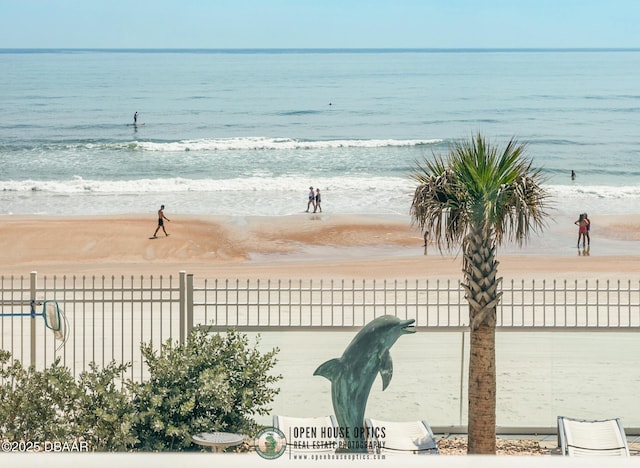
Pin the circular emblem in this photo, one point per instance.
(270, 443)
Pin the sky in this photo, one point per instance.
(230, 24)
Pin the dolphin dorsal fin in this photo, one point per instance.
(329, 369)
(386, 369)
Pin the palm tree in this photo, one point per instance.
(479, 197)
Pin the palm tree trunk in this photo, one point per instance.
(482, 391)
(480, 268)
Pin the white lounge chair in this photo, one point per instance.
(402, 437)
(309, 434)
(589, 438)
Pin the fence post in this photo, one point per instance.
(183, 302)
(462, 377)
(33, 279)
(189, 303)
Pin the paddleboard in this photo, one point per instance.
(135, 124)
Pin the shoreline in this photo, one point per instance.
(305, 245)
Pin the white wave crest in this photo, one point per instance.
(263, 143)
(177, 184)
(594, 191)
(289, 183)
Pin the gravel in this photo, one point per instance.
(458, 446)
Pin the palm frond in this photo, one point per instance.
(476, 184)
(437, 203)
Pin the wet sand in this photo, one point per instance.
(300, 246)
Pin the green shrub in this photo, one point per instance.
(211, 383)
(105, 412)
(49, 405)
(36, 406)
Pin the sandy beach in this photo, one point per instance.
(298, 246)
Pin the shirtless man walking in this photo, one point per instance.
(161, 218)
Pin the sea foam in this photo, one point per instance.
(263, 143)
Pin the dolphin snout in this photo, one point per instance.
(407, 326)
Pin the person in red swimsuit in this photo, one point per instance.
(582, 229)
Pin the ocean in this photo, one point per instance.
(246, 132)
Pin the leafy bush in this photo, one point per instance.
(49, 405)
(105, 412)
(36, 405)
(211, 383)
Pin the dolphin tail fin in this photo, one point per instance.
(329, 369)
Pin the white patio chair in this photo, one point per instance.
(592, 438)
(403, 437)
(317, 435)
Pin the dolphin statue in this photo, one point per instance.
(353, 374)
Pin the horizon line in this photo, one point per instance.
(318, 49)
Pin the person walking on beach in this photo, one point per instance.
(582, 229)
(161, 218)
(311, 201)
(318, 199)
